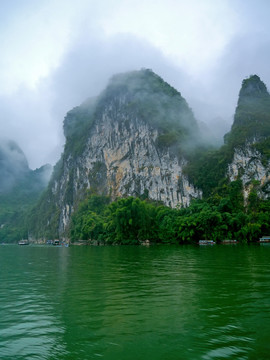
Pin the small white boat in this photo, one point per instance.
(207, 242)
(23, 242)
(265, 239)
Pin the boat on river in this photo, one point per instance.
(265, 239)
(23, 242)
(57, 243)
(207, 242)
(228, 241)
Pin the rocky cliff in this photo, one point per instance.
(249, 138)
(248, 165)
(139, 138)
(245, 156)
(130, 141)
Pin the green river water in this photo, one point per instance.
(127, 303)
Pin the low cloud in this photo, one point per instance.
(95, 49)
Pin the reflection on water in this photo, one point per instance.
(134, 302)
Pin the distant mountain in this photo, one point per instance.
(13, 165)
(20, 187)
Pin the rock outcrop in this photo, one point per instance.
(248, 165)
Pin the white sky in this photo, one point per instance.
(56, 53)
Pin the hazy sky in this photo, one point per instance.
(57, 53)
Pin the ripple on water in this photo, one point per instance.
(130, 303)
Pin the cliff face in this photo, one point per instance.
(122, 159)
(135, 139)
(131, 143)
(249, 137)
(248, 165)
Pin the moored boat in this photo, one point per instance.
(265, 239)
(207, 242)
(23, 242)
(228, 241)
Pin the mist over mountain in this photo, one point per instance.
(139, 138)
(129, 141)
(14, 169)
(13, 164)
(20, 188)
(245, 154)
(252, 114)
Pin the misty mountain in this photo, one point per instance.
(132, 140)
(15, 172)
(139, 138)
(13, 165)
(245, 155)
(252, 114)
(20, 187)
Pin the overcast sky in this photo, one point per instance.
(57, 53)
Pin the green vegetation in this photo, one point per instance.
(77, 124)
(252, 115)
(43, 218)
(15, 205)
(132, 220)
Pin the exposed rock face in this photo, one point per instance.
(250, 132)
(122, 156)
(247, 164)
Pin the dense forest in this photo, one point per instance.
(134, 220)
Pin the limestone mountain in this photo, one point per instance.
(252, 115)
(250, 138)
(246, 152)
(132, 140)
(139, 138)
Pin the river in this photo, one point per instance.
(129, 303)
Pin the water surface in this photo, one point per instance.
(127, 303)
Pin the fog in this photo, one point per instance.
(55, 54)
(13, 164)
